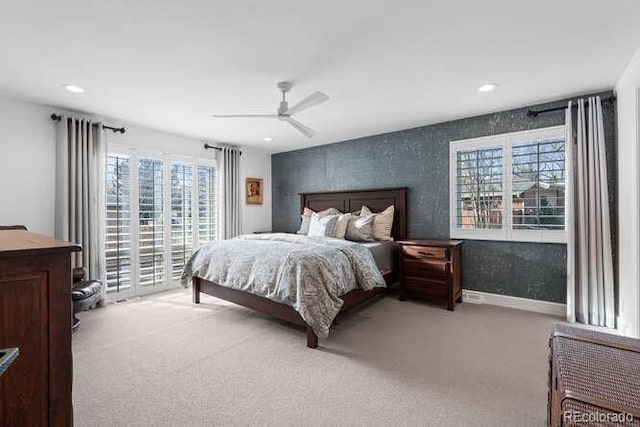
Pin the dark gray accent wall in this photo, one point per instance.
(419, 159)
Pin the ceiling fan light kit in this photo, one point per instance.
(284, 112)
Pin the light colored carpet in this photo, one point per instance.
(160, 360)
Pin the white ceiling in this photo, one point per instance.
(386, 65)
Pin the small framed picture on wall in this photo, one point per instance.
(254, 191)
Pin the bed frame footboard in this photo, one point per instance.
(281, 311)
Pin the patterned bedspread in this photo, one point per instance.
(306, 273)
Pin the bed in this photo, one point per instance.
(345, 201)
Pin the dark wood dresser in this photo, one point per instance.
(35, 317)
(431, 269)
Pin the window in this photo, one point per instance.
(118, 224)
(151, 221)
(181, 216)
(538, 185)
(207, 224)
(155, 202)
(510, 187)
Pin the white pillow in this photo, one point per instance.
(382, 222)
(341, 226)
(306, 218)
(323, 225)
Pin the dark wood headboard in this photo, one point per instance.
(352, 201)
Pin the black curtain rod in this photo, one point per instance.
(57, 118)
(212, 147)
(532, 113)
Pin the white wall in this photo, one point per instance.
(629, 198)
(257, 164)
(27, 164)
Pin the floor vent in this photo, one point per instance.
(471, 297)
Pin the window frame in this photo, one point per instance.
(506, 141)
(134, 154)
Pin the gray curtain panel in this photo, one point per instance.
(232, 193)
(80, 194)
(590, 294)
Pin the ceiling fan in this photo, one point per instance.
(285, 113)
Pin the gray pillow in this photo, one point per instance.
(323, 226)
(360, 228)
(382, 222)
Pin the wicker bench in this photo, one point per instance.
(594, 378)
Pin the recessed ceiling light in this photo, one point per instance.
(488, 87)
(267, 139)
(73, 88)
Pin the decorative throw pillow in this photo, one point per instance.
(341, 226)
(382, 222)
(306, 218)
(322, 225)
(360, 229)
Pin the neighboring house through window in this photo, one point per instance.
(510, 186)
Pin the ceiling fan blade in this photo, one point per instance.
(258, 116)
(311, 100)
(302, 128)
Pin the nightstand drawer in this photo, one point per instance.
(425, 268)
(421, 252)
(425, 287)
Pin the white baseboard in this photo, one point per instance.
(546, 307)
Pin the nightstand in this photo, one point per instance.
(431, 269)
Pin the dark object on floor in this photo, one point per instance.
(13, 227)
(593, 378)
(7, 356)
(85, 294)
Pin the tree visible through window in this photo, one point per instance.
(479, 178)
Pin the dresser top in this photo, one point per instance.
(423, 242)
(20, 242)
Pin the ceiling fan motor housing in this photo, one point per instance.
(285, 86)
(284, 106)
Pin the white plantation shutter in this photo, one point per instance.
(118, 223)
(538, 184)
(151, 221)
(479, 183)
(159, 208)
(181, 216)
(207, 204)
